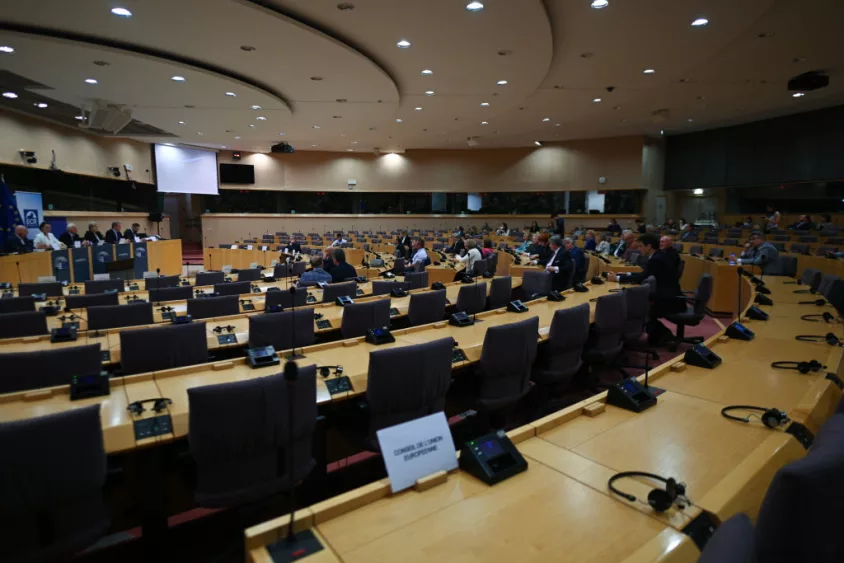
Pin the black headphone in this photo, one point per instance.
(159, 405)
(829, 338)
(802, 367)
(580, 288)
(660, 500)
(597, 280)
(818, 302)
(772, 418)
(220, 329)
(811, 318)
(325, 371)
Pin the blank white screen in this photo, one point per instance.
(186, 171)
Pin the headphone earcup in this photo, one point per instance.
(803, 367)
(771, 418)
(660, 500)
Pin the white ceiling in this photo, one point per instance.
(707, 77)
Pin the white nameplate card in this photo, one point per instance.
(234, 247)
(416, 449)
(263, 249)
(248, 247)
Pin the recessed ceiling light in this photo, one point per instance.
(261, 118)
(336, 117)
(345, 7)
(484, 122)
(122, 12)
(256, 107)
(177, 78)
(247, 48)
(700, 22)
(556, 125)
(10, 95)
(537, 143)
(181, 123)
(427, 72)
(403, 44)
(474, 6)
(596, 101)
(587, 55)
(237, 137)
(648, 71)
(599, 4)
(399, 121)
(794, 95)
(6, 49)
(484, 104)
(690, 120)
(91, 81)
(505, 53)
(231, 94)
(418, 109)
(799, 60)
(80, 118)
(502, 83)
(616, 107)
(429, 92)
(354, 142)
(313, 145)
(546, 119)
(199, 133)
(350, 150)
(252, 125)
(662, 131)
(41, 105)
(316, 126)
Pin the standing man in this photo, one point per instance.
(114, 235)
(579, 260)
(71, 236)
(19, 242)
(559, 224)
(403, 244)
(559, 264)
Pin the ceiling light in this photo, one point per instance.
(350, 150)
(177, 78)
(429, 92)
(418, 109)
(237, 137)
(399, 121)
(41, 105)
(313, 145)
(599, 4)
(546, 119)
(181, 123)
(316, 126)
(596, 101)
(281, 134)
(10, 95)
(261, 118)
(537, 143)
(690, 120)
(698, 191)
(556, 125)
(484, 122)
(6, 49)
(91, 81)
(199, 133)
(252, 125)
(648, 71)
(427, 72)
(484, 104)
(403, 44)
(700, 22)
(256, 107)
(122, 12)
(794, 95)
(474, 6)
(80, 118)
(231, 94)
(662, 131)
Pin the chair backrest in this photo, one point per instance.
(250, 274)
(286, 299)
(51, 289)
(18, 304)
(165, 347)
(784, 238)
(733, 542)
(719, 252)
(536, 282)
(492, 263)
(359, 317)
(500, 292)
(702, 294)
(209, 307)
(232, 470)
(426, 307)
(209, 278)
(780, 246)
(279, 329)
(233, 288)
(479, 267)
(398, 266)
(678, 246)
(170, 294)
(788, 265)
(568, 335)
(102, 317)
(52, 474)
(159, 282)
(811, 277)
(27, 323)
(610, 319)
(730, 242)
(809, 239)
(47, 368)
(824, 250)
(472, 298)
(417, 280)
(798, 248)
(695, 249)
(506, 360)
(407, 383)
(299, 267)
(93, 300)
(637, 302)
(280, 271)
(825, 286)
(382, 287)
(793, 522)
(335, 290)
(101, 286)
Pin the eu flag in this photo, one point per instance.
(10, 217)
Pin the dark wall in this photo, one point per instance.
(796, 148)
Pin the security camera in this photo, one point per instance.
(610, 88)
(28, 156)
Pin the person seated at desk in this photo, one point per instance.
(614, 227)
(292, 247)
(826, 223)
(624, 244)
(559, 263)
(93, 235)
(316, 273)
(590, 243)
(748, 223)
(604, 246)
(528, 244)
(419, 256)
(640, 226)
(459, 247)
(342, 270)
(534, 227)
(688, 232)
(132, 235)
(328, 259)
(540, 254)
(803, 224)
(667, 296)
(472, 255)
(670, 225)
(666, 246)
(70, 237)
(45, 239)
(339, 241)
(579, 260)
(757, 252)
(114, 235)
(502, 230)
(19, 243)
(487, 249)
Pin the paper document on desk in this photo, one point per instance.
(416, 449)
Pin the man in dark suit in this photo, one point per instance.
(132, 235)
(19, 241)
(666, 246)
(667, 298)
(459, 245)
(70, 236)
(292, 247)
(403, 244)
(114, 235)
(559, 264)
(579, 260)
(540, 252)
(624, 244)
(559, 225)
(342, 270)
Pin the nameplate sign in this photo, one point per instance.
(416, 449)
(234, 247)
(248, 247)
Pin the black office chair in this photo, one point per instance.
(233, 288)
(233, 471)
(160, 282)
(166, 347)
(731, 241)
(500, 292)
(798, 248)
(279, 329)
(280, 271)
(332, 291)
(417, 280)
(360, 317)
(93, 300)
(250, 274)
(606, 335)
(170, 294)
(692, 316)
(285, 298)
(562, 361)
(812, 278)
(825, 287)
(732, 542)
(299, 267)
(782, 237)
(101, 286)
(492, 263)
(479, 267)
(407, 383)
(103, 317)
(210, 307)
(18, 305)
(53, 472)
(426, 307)
(209, 278)
(398, 266)
(788, 266)
(716, 252)
(28, 323)
(47, 368)
(503, 377)
(50, 289)
(809, 239)
(637, 301)
(536, 284)
(383, 287)
(471, 298)
(695, 249)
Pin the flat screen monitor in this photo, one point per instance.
(237, 173)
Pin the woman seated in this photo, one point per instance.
(604, 246)
(590, 243)
(487, 249)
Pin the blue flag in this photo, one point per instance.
(9, 217)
